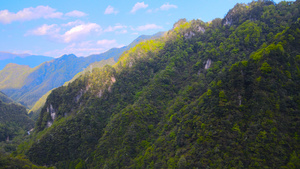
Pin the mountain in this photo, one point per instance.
(7, 55)
(7, 161)
(116, 52)
(5, 98)
(13, 119)
(223, 94)
(26, 85)
(36, 109)
(14, 75)
(22, 59)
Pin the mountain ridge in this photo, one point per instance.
(221, 96)
(27, 86)
(26, 59)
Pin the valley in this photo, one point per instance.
(217, 94)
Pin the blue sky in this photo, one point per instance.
(84, 27)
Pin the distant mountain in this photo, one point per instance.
(22, 59)
(27, 85)
(14, 75)
(8, 55)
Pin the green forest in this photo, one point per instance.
(218, 94)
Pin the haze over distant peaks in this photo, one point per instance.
(8, 55)
(22, 59)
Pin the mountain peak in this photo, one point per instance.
(67, 56)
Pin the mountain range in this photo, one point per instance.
(219, 94)
(27, 85)
(222, 94)
(22, 59)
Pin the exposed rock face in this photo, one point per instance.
(200, 29)
(52, 112)
(49, 123)
(189, 35)
(208, 63)
(77, 98)
(240, 100)
(111, 82)
(228, 21)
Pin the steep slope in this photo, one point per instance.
(36, 109)
(10, 162)
(13, 120)
(14, 76)
(206, 95)
(26, 85)
(5, 98)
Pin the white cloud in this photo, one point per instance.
(147, 27)
(164, 7)
(137, 6)
(80, 31)
(27, 14)
(110, 10)
(76, 13)
(73, 23)
(167, 6)
(135, 33)
(114, 28)
(77, 32)
(44, 30)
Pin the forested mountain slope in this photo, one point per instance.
(36, 109)
(206, 95)
(5, 98)
(27, 85)
(13, 119)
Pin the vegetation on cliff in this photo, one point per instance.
(221, 94)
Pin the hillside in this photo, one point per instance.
(13, 120)
(36, 109)
(5, 98)
(223, 94)
(14, 76)
(27, 85)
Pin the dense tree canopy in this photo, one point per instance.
(221, 94)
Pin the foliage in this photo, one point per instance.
(7, 162)
(13, 120)
(163, 106)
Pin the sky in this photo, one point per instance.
(84, 27)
